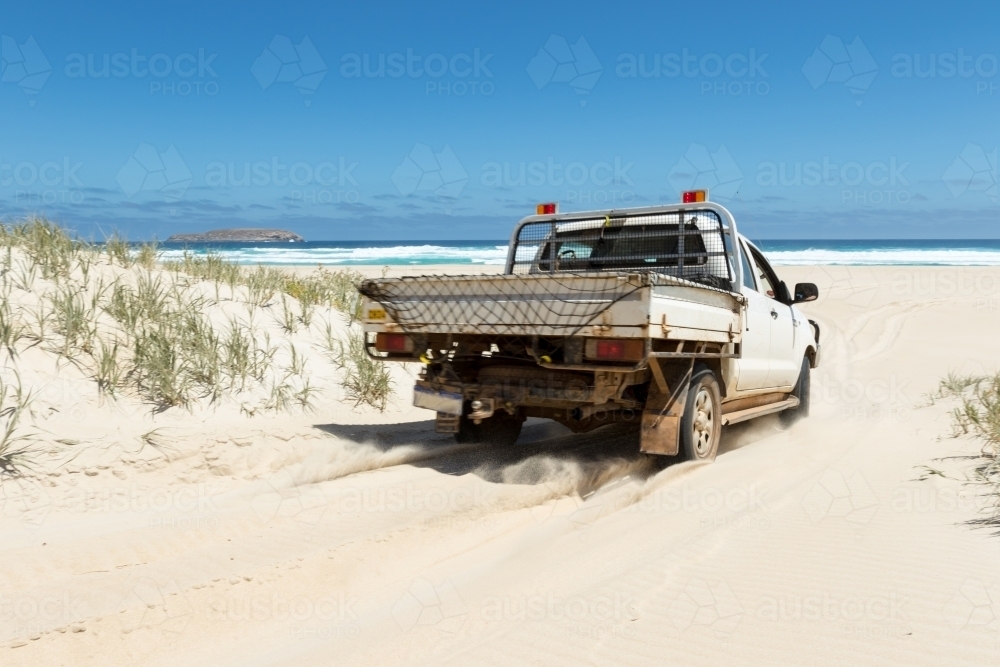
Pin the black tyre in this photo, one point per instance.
(801, 392)
(500, 430)
(701, 425)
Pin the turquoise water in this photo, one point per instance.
(782, 253)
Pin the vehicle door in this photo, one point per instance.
(755, 349)
(784, 368)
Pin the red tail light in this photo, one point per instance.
(694, 196)
(614, 349)
(388, 342)
(546, 209)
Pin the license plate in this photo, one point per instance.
(439, 401)
(376, 314)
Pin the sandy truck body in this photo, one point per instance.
(661, 316)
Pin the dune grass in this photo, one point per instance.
(365, 380)
(15, 441)
(147, 332)
(978, 415)
(294, 300)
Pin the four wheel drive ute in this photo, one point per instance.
(662, 314)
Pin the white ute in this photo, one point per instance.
(663, 316)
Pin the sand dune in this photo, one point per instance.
(349, 536)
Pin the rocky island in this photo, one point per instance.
(251, 235)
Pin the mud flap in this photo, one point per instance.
(661, 420)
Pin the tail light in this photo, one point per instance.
(694, 196)
(614, 349)
(546, 209)
(390, 342)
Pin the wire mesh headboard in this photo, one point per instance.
(688, 244)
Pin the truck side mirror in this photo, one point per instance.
(782, 294)
(805, 292)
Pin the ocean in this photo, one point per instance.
(401, 253)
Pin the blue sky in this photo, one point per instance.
(450, 120)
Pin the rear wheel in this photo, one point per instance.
(801, 392)
(701, 425)
(500, 430)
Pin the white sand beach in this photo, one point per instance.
(229, 534)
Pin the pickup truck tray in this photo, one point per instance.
(554, 304)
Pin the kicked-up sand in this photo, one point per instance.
(352, 537)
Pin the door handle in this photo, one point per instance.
(774, 314)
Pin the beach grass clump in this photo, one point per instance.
(118, 250)
(978, 415)
(295, 299)
(12, 328)
(109, 372)
(365, 379)
(48, 248)
(146, 256)
(137, 330)
(74, 319)
(15, 441)
(210, 266)
(955, 384)
(177, 354)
